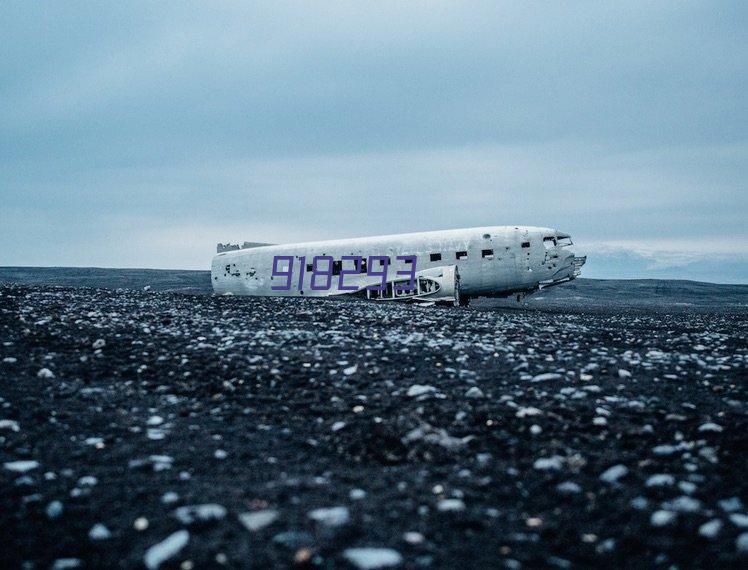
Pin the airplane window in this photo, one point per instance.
(487, 253)
(549, 242)
(381, 261)
(363, 265)
(461, 255)
(435, 257)
(336, 267)
(309, 267)
(525, 244)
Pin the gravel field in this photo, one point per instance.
(181, 431)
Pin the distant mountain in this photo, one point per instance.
(583, 293)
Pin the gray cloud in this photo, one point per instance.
(128, 132)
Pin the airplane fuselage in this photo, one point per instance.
(490, 261)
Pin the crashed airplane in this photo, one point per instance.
(450, 266)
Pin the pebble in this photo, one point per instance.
(529, 411)
(741, 543)
(370, 558)
(10, 360)
(66, 564)
(450, 505)
(220, 454)
(99, 532)
(45, 373)
(166, 549)
(662, 518)
(740, 521)
(413, 537)
(155, 421)
(258, 520)
(54, 510)
(730, 505)
(12, 425)
(21, 466)
(710, 427)
(98, 343)
(474, 392)
(357, 494)
(554, 463)
(337, 426)
(332, 516)
(660, 480)
(169, 498)
(710, 529)
(622, 373)
(546, 377)
(419, 390)
(203, 513)
(613, 474)
(568, 488)
(683, 504)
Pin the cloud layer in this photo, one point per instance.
(143, 135)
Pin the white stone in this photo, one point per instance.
(155, 421)
(662, 518)
(332, 516)
(258, 520)
(529, 411)
(710, 529)
(350, 370)
(9, 424)
(739, 520)
(337, 426)
(730, 505)
(99, 532)
(21, 466)
(568, 488)
(660, 480)
(413, 537)
(546, 377)
(474, 392)
(66, 564)
(710, 427)
(54, 510)
(169, 498)
(613, 474)
(554, 463)
(207, 512)
(419, 390)
(99, 343)
(10, 360)
(369, 558)
(166, 549)
(683, 504)
(622, 373)
(45, 373)
(450, 505)
(741, 543)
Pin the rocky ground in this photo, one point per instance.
(175, 431)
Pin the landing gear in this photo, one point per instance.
(520, 298)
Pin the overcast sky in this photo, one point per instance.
(140, 134)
